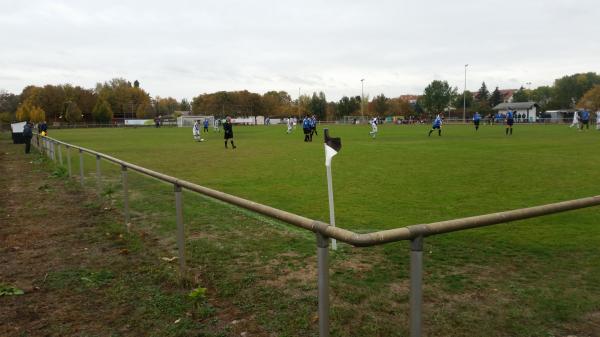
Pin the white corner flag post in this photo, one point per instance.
(332, 147)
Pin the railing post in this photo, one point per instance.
(323, 275)
(125, 196)
(180, 234)
(52, 151)
(59, 154)
(416, 286)
(81, 167)
(98, 175)
(69, 160)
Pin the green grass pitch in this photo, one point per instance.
(402, 177)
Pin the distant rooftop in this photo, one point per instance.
(516, 105)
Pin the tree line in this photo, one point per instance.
(119, 98)
(580, 90)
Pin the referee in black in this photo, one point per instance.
(228, 131)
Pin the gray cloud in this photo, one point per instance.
(183, 48)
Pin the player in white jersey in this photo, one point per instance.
(290, 125)
(373, 132)
(216, 123)
(196, 131)
(575, 120)
(598, 120)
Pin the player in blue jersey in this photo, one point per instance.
(585, 119)
(437, 124)
(510, 120)
(205, 124)
(476, 120)
(307, 129)
(313, 127)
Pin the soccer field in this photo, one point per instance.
(402, 177)
(537, 277)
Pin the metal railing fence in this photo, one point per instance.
(416, 234)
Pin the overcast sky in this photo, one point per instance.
(185, 48)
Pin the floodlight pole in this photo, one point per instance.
(299, 103)
(362, 98)
(464, 96)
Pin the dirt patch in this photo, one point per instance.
(60, 245)
(40, 234)
(355, 265)
(304, 275)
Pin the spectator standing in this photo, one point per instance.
(43, 128)
(28, 134)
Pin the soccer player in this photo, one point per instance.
(585, 119)
(373, 132)
(510, 120)
(575, 120)
(228, 130)
(437, 124)
(598, 120)
(476, 120)
(290, 125)
(306, 128)
(196, 131)
(205, 124)
(216, 123)
(313, 127)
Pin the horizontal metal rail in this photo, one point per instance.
(350, 237)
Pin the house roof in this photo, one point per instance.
(516, 105)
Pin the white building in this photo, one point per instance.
(560, 116)
(526, 109)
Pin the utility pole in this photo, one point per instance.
(362, 98)
(464, 96)
(299, 103)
